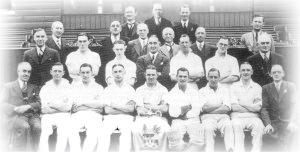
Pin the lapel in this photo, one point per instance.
(54, 44)
(34, 55)
(17, 89)
(163, 49)
(274, 92)
(148, 59)
(46, 54)
(138, 47)
(282, 90)
(134, 29)
(157, 59)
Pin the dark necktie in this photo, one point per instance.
(58, 44)
(266, 58)
(152, 58)
(24, 88)
(256, 36)
(184, 25)
(41, 52)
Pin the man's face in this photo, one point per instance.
(222, 45)
(185, 13)
(40, 38)
(115, 27)
(130, 13)
(86, 74)
(151, 76)
(57, 72)
(184, 43)
(168, 35)
(58, 29)
(157, 10)
(213, 79)
(142, 31)
(246, 71)
(257, 23)
(200, 34)
(153, 44)
(264, 44)
(119, 49)
(277, 73)
(118, 73)
(83, 43)
(24, 72)
(182, 77)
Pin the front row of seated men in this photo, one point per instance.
(86, 105)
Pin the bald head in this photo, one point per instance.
(157, 10)
(264, 43)
(168, 34)
(57, 29)
(24, 71)
(130, 13)
(277, 73)
(142, 30)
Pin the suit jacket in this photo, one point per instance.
(165, 51)
(179, 30)
(134, 50)
(248, 39)
(261, 70)
(126, 31)
(157, 29)
(162, 64)
(279, 106)
(41, 70)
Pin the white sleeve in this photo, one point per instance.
(97, 64)
(235, 67)
(196, 106)
(174, 109)
(198, 67)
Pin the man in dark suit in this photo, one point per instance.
(56, 42)
(41, 59)
(169, 49)
(203, 50)
(156, 58)
(106, 53)
(157, 23)
(280, 111)
(263, 61)
(129, 29)
(185, 26)
(138, 47)
(20, 107)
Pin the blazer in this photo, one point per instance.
(261, 70)
(126, 31)
(157, 29)
(207, 52)
(279, 106)
(179, 30)
(40, 73)
(134, 50)
(164, 50)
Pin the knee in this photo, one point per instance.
(36, 127)
(236, 123)
(24, 126)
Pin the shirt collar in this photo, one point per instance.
(279, 83)
(132, 22)
(263, 54)
(186, 23)
(21, 83)
(200, 43)
(168, 44)
(251, 84)
(188, 88)
(153, 54)
(209, 88)
(56, 39)
(141, 40)
(113, 38)
(39, 48)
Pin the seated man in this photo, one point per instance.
(55, 108)
(246, 104)
(119, 106)
(280, 112)
(150, 128)
(184, 108)
(215, 116)
(86, 110)
(20, 106)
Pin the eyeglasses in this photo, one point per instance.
(115, 25)
(263, 43)
(222, 44)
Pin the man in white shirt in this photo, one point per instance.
(119, 99)
(185, 58)
(86, 110)
(225, 63)
(169, 48)
(130, 76)
(151, 108)
(246, 102)
(82, 55)
(216, 105)
(55, 109)
(184, 108)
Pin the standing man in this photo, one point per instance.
(156, 58)
(216, 106)
(184, 109)
(119, 98)
(225, 63)
(41, 59)
(129, 29)
(151, 127)
(20, 106)
(138, 47)
(246, 102)
(264, 60)
(82, 55)
(186, 58)
(280, 112)
(56, 107)
(203, 50)
(157, 23)
(169, 48)
(250, 40)
(185, 26)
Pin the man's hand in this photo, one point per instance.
(292, 127)
(268, 129)
(22, 109)
(185, 109)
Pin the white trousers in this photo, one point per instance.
(249, 123)
(59, 120)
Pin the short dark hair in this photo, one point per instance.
(224, 37)
(38, 30)
(257, 15)
(83, 34)
(118, 64)
(58, 64)
(213, 70)
(119, 42)
(86, 65)
(245, 63)
(183, 69)
(151, 67)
